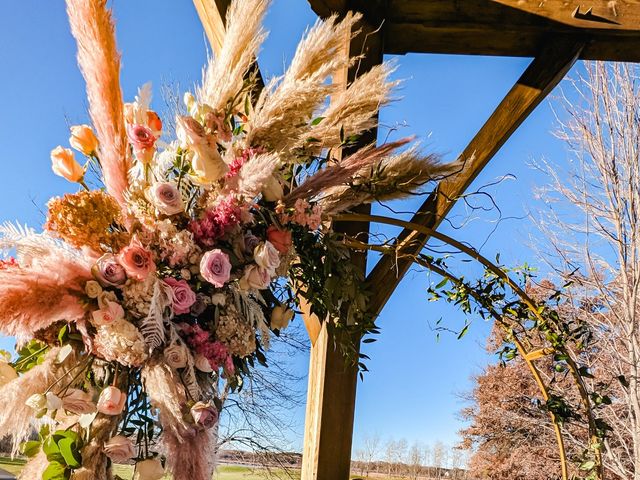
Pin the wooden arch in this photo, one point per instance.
(555, 33)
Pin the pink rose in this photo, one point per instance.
(119, 449)
(108, 271)
(141, 137)
(204, 414)
(255, 277)
(136, 260)
(108, 314)
(215, 267)
(281, 239)
(78, 402)
(181, 295)
(111, 401)
(166, 197)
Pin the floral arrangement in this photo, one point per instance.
(145, 299)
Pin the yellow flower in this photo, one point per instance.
(83, 139)
(64, 164)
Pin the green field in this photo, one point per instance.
(224, 472)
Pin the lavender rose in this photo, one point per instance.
(204, 414)
(166, 198)
(181, 295)
(108, 271)
(215, 267)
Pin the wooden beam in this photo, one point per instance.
(540, 77)
(511, 27)
(331, 394)
(212, 15)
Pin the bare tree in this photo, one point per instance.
(370, 450)
(593, 226)
(414, 461)
(438, 456)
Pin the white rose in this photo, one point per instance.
(92, 289)
(7, 373)
(267, 256)
(280, 317)
(54, 402)
(176, 356)
(202, 364)
(119, 449)
(150, 469)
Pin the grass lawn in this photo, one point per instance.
(225, 472)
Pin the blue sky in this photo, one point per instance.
(411, 391)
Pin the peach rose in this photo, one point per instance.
(166, 198)
(281, 239)
(204, 414)
(255, 277)
(64, 164)
(111, 401)
(176, 356)
(119, 449)
(136, 260)
(280, 317)
(266, 255)
(150, 469)
(83, 139)
(111, 312)
(154, 122)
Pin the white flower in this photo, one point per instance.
(7, 373)
(37, 401)
(92, 289)
(219, 299)
(267, 257)
(176, 356)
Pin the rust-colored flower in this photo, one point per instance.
(87, 219)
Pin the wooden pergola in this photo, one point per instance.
(555, 33)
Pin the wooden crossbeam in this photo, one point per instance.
(540, 77)
(212, 14)
(512, 27)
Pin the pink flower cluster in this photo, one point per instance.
(304, 216)
(215, 352)
(238, 162)
(216, 222)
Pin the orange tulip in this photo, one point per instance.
(64, 164)
(83, 139)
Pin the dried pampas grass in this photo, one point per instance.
(167, 394)
(390, 178)
(95, 464)
(255, 173)
(343, 172)
(223, 77)
(193, 457)
(16, 416)
(353, 110)
(285, 107)
(48, 290)
(99, 61)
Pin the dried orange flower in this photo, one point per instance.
(87, 219)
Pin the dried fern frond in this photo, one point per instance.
(99, 61)
(352, 111)
(285, 107)
(390, 178)
(223, 77)
(343, 172)
(152, 326)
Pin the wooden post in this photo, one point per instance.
(331, 394)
